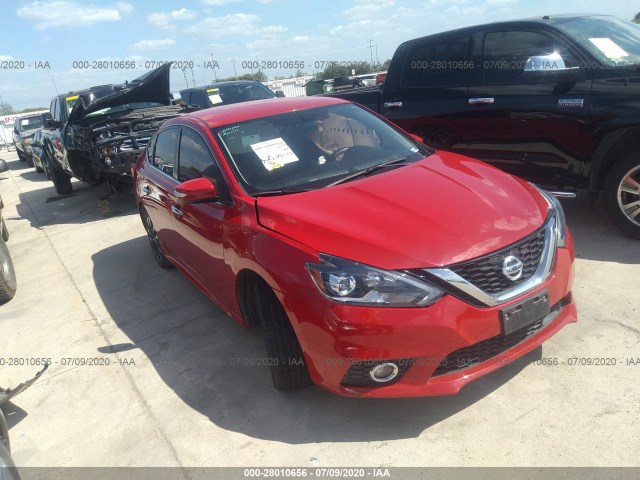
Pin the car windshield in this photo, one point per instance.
(314, 148)
(613, 41)
(30, 123)
(124, 107)
(237, 93)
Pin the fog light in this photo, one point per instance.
(384, 372)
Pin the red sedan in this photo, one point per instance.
(374, 265)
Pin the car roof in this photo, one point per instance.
(531, 21)
(222, 84)
(240, 112)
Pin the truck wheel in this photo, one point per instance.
(61, 180)
(622, 194)
(21, 156)
(7, 274)
(154, 241)
(288, 368)
(30, 161)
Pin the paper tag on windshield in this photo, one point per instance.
(274, 153)
(610, 48)
(214, 95)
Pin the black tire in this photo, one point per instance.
(4, 231)
(46, 165)
(30, 161)
(622, 188)
(21, 156)
(8, 282)
(61, 179)
(289, 370)
(154, 241)
(40, 169)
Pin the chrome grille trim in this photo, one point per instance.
(541, 274)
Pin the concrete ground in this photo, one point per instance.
(88, 287)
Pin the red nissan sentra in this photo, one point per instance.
(374, 265)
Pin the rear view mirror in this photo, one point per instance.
(3, 166)
(50, 123)
(195, 191)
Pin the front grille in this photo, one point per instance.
(486, 274)
(358, 373)
(482, 351)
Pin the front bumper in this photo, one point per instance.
(333, 336)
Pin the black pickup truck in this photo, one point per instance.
(555, 100)
(95, 134)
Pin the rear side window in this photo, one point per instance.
(437, 63)
(198, 98)
(164, 150)
(196, 160)
(505, 54)
(55, 109)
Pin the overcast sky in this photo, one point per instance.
(62, 32)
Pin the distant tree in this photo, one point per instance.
(384, 66)
(6, 109)
(637, 18)
(339, 70)
(299, 73)
(258, 76)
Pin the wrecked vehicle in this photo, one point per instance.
(7, 272)
(96, 134)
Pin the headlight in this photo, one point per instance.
(350, 282)
(561, 222)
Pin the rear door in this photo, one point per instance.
(428, 94)
(528, 108)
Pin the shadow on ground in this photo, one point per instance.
(192, 344)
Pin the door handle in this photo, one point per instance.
(393, 104)
(176, 210)
(146, 190)
(481, 101)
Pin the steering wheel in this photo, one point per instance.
(338, 153)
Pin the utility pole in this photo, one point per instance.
(213, 64)
(234, 67)
(193, 77)
(371, 51)
(184, 72)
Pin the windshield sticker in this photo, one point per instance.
(274, 153)
(215, 98)
(610, 48)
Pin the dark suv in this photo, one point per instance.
(223, 93)
(554, 99)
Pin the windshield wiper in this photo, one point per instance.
(284, 191)
(370, 170)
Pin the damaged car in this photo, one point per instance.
(96, 134)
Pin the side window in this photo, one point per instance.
(196, 161)
(437, 63)
(505, 55)
(186, 97)
(164, 150)
(198, 98)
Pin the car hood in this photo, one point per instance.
(153, 86)
(441, 210)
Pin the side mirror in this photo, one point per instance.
(195, 191)
(50, 123)
(417, 138)
(3, 166)
(279, 93)
(550, 67)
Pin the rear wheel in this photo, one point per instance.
(8, 283)
(288, 368)
(21, 155)
(154, 242)
(4, 231)
(622, 194)
(30, 160)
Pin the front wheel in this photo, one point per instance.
(288, 367)
(61, 179)
(8, 283)
(622, 194)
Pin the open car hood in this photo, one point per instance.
(153, 86)
(7, 394)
